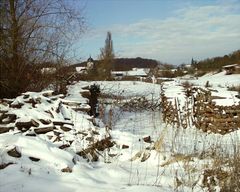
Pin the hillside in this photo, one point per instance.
(125, 64)
(216, 63)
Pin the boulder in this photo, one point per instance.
(43, 130)
(21, 125)
(14, 153)
(5, 129)
(147, 139)
(67, 170)
(34, 159)
(125, 146)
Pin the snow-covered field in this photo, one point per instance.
(147, 155)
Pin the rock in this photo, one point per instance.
(20, 125)
(112, 155)
(33, 101)
(57, 133)
(66, 128)
(83, 153)
(57, 139)
(90, 139)
(14, 153)
(147, 139)
(61, 123)
(82, 133)
(4, 165)
(44, 121)
(17, 105)
(34, 159)
(95, 132)
(125, 146)
(64, 146)
(7, 118)
(47, 93)
(65, 112)
(67, 170)
(82, 109)
(26, 96)
(5, 129)
(85, 93)
(44, 130)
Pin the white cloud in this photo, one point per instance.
(198, 32)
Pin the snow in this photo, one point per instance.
(170, 155)
(218, 79)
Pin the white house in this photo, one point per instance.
(81, 70)
(135, 72)
(233, 68)
(48, 70)
(138, 72)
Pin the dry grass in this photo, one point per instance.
(177, 158)
(187, 84)
(232, 183)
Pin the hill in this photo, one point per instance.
(216, 63)
(125, 64)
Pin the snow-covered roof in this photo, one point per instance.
(137, 72)
(232, 65)
(80, 69)
(48, 70)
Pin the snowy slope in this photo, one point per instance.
(166, 162)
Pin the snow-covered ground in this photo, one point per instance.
(148, 155)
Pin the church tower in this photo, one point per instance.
(90, 63)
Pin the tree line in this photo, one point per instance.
(126, 64)
(216, 63)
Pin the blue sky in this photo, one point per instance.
(171, 31)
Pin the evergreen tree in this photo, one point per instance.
(106, 58)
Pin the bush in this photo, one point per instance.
(187, 84)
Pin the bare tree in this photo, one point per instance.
(33, 32)
(106, 58)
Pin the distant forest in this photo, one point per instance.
(125, 64)
(216, 63)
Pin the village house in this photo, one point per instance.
(81, 70)
(233, 68)
(135, 73)
(48, 70)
